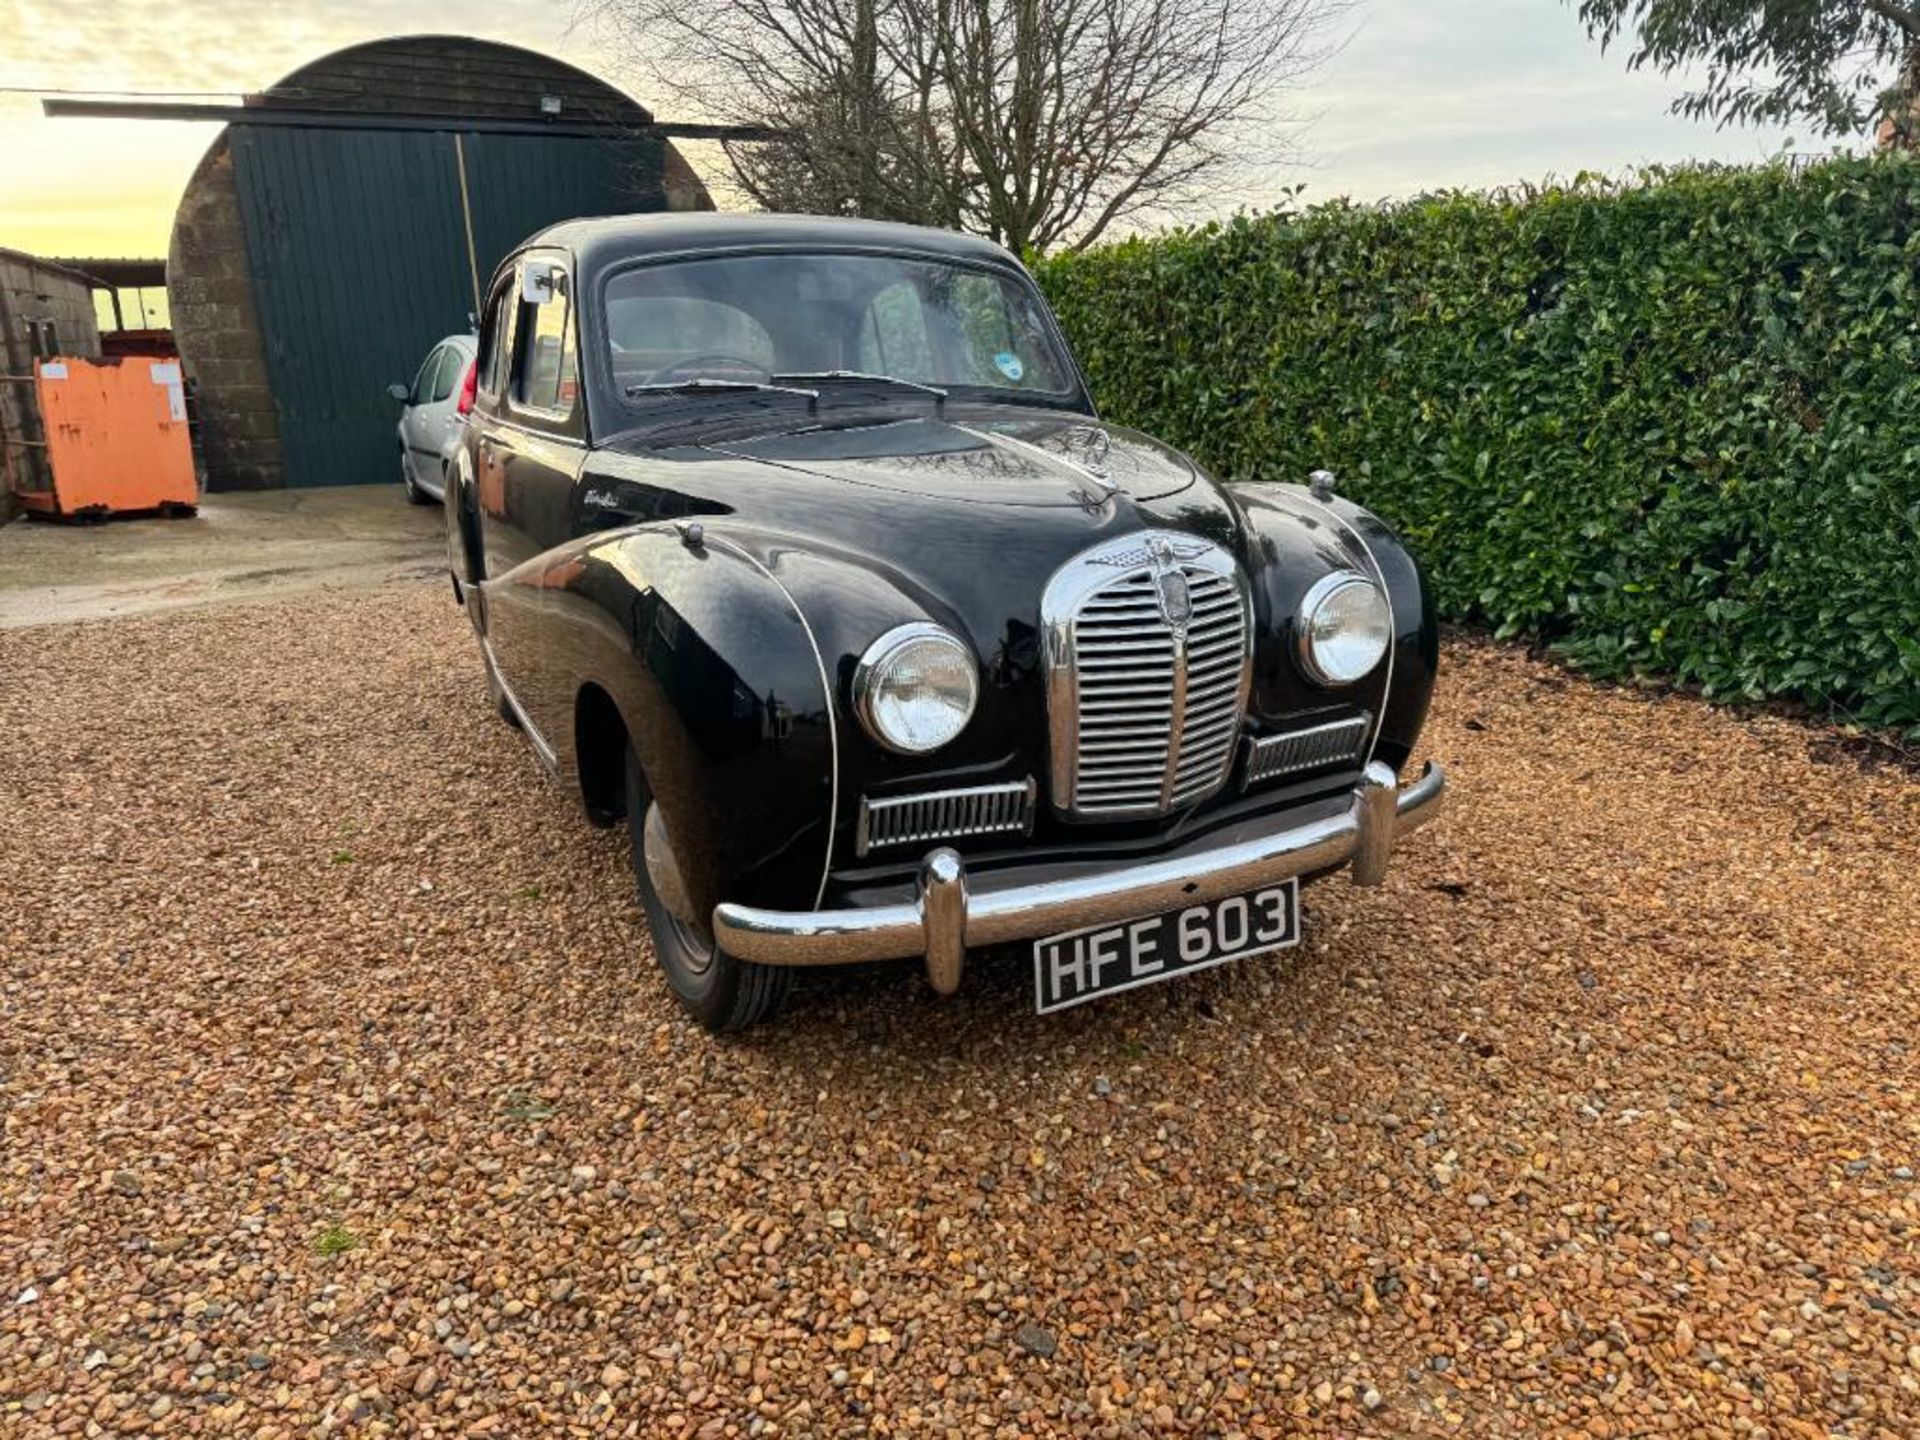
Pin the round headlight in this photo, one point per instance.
(1345, 627)
(915, 688)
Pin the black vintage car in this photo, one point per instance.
(797, 545)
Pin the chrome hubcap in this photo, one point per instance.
(663, 874)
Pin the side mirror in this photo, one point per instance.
(399, 392)
(536, 282)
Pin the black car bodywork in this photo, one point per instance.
(695, 585)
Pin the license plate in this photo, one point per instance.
(1083, 965)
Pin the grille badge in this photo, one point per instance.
(1176, 596)
(1138, 555)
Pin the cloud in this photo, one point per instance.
(1422, 94)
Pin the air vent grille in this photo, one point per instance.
(1271, 756)
(945, 815)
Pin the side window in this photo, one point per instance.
(496, 339)
(893, 334)
(544, 378)
(423, 382)
(452, 362)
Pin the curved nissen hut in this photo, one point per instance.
(319, 252)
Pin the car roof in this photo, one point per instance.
(608, 239)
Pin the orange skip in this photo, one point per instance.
(116, 437)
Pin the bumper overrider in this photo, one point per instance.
(947, 918)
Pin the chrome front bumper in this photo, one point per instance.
(947, 919)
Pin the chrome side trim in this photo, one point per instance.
(567, 441)
(951, 914)
(945, 815)
(826, 688)
(549, 757)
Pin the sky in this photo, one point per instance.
(1418, 95)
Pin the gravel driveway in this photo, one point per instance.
(338, 1094)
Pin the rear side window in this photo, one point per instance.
(452, 362)
(423, 382)
(496, 340)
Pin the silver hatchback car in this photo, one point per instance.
(430, 417)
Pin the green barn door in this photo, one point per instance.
(359, 264)
(357, 247)
(521, 184)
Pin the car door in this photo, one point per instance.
(413, 422)
(528, 459)
(437, 418)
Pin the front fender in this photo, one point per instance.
(1293, 539)
(845, 600)
(715, 673)
(463, 521)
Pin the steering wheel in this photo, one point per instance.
(710, 360)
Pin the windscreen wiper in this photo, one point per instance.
(707, 384)
(860, 377)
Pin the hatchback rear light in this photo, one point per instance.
(468, 383)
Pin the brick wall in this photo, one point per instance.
(218, 332)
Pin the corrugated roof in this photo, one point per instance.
(52, 267)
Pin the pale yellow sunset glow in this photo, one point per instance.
(1421, 94)
(109, 187)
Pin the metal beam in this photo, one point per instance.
(296, 117)
(108, 272)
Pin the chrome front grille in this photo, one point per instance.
(1270, 756)
(945, 815)
(1148, 643)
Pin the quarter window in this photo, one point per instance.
(548, 369)
(496, 340)
(448, 375)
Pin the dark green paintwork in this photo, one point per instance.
(358, 255)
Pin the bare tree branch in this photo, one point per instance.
(1036, 122)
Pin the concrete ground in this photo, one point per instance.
(241, 547)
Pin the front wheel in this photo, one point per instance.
(719, 990)
(415, 495)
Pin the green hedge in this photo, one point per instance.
(1672, 427)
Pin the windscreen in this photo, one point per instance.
(757, 319)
